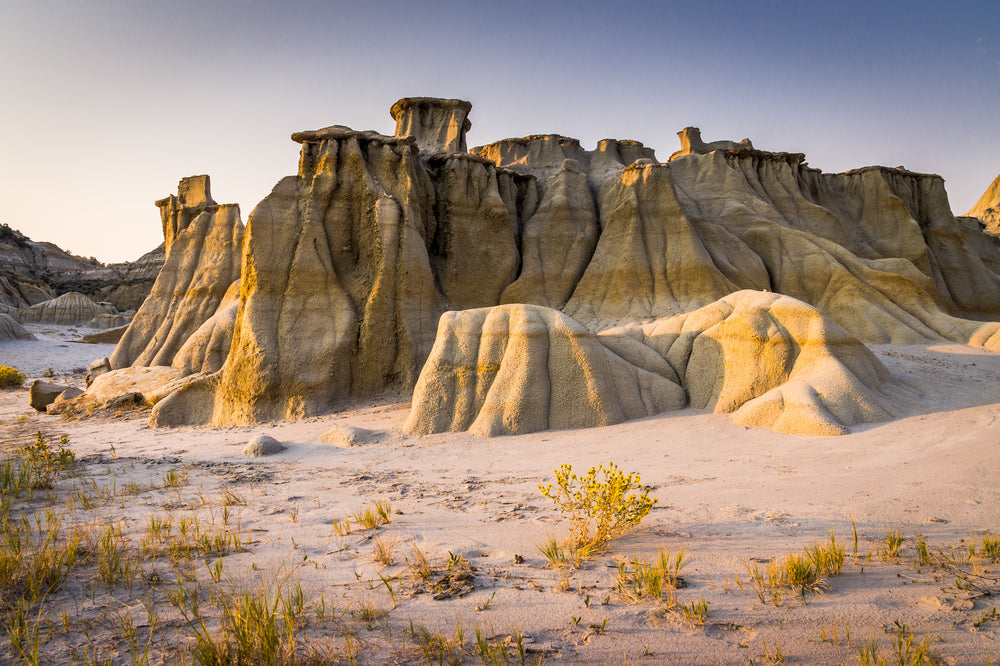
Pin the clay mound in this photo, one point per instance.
(72, 309)
(203, 246)
(11, 330)
(517, 369)
(774, 361)
(987, 209)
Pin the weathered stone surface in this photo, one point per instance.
(97, 368)
(207, 348)
(203, 260)
(347, 436)
(775, 361)
(516, 369)
(692, 144)
(987, 209)
(337, 269)
(471, 240)
(70, 309)
(263, 445)
(42, 393)
(349, 264)
(111, 336)
(10, 329)
(152, 384)
(436, 124)
(106, 321)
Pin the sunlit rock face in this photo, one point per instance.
(436, 124)
(204, 249)
(348, 266)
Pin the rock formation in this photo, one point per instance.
(987, 209)
(33, 272)
(692, 144)
(516, 369)
(772, 359)
(11, 330)
(598, 278)
(436, 124)
(203, 245)
(71, 309)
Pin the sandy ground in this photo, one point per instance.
(727, 496)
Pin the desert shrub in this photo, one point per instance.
(10, 377)
(601, 504)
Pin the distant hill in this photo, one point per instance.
(33, 271)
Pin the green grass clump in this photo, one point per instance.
(10, 377)
(638, 580)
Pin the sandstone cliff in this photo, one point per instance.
(987, 209)
(349, 264)
(207, 239)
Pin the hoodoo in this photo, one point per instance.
(582, 287)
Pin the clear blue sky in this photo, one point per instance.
(106, 105)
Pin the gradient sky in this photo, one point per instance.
(106, 105)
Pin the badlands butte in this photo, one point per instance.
(531, 284)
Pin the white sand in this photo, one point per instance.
(726, 494)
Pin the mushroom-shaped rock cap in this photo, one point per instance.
(438, 125)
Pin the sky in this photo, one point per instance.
(105, 106)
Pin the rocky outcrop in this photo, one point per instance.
(142, 385)
(36, 271)
(987, 209)
(337, 269)
(125, 285)
(692, 144)
(70, 309)
(203, 260)
(10, 329)
(774, 361)
(470, 238)
(207, 348)
(18, 291)
(435, 124)
(348, 265)
(516, 369)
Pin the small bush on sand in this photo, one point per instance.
(10, 377)
(601, 504)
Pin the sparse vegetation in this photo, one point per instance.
(600, 505)
(10, 377)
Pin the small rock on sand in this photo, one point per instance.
(263, 445)
(348, 436)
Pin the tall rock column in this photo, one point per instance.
(204, 243)
(438, 125)
(337, 295)
(194, 195)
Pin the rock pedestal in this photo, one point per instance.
(438, 125)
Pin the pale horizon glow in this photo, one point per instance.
(107, 105)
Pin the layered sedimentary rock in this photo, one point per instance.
(70, 309)
(194, 279)
(348, 265)
(470, 238)
(10, 329)
(773, 360)
(692, 144)
(17, 291)
(207, 348)
(436, 124)
(517, 369)
(336, 268)
(33, 272)
(987, 209)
